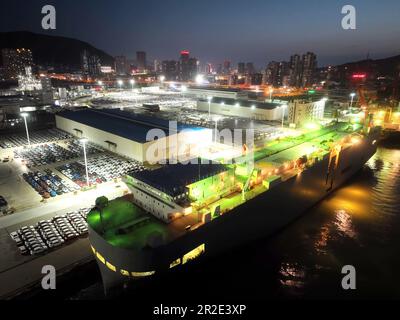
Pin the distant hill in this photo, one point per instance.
(381, 67)
(56, 51)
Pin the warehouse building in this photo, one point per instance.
(204, 92)
(243, 108)
(143, 138)
(171, 191)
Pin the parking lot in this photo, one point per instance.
(54, 170)
(52, 233)
(47, 153)
(101, 168)
(35, 137)
(48, 184)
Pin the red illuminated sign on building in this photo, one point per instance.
(359, 76)
(184, 52)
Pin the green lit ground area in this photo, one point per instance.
(123, 224)
(319, 136)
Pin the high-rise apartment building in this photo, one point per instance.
(15, 61)
(170, 70)
(309, 65)
(188, 67)
(141, 60)
(121, 65)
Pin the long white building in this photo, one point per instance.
(243, 108)
(205, 92)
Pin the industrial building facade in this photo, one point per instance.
(302, 111)
(205, 92)
(137, 137)
(243, 108)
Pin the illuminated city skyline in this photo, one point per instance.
(211, 31)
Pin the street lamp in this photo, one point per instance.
(283, 113)
(120, 82)
(352, 95)
(24, 115)
(270, 94)
(209, 106)
(84, 140)
(199, 79)
(132, 82)
(216, 128)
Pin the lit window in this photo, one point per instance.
(110, 266)
(194, 253)
(125, 273)
(143, 274)
(175, 263)
(100, 257)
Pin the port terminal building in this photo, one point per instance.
(143, 138)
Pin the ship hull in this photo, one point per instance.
(256, 218)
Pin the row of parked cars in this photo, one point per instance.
(44, 154)
(76, 147)
(49, 234)
(111, 167)
(103, 168)
(48, 184)
(77, 173)
(35, 137)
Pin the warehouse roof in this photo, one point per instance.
(172, 179)
(245, 103)
(122, 123)
(236, 90)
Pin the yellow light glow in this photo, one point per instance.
(100, 257)
(143, 274)
(188, 210)
(110, 266)
(125, 273)
(193, 254)
(175, 263)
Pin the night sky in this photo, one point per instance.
(238, 30)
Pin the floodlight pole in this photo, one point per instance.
(86, 168)
(26, 129)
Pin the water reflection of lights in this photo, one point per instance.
(344, 223)
(292, 275)
(322, 240)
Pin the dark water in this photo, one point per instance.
(358, 225)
